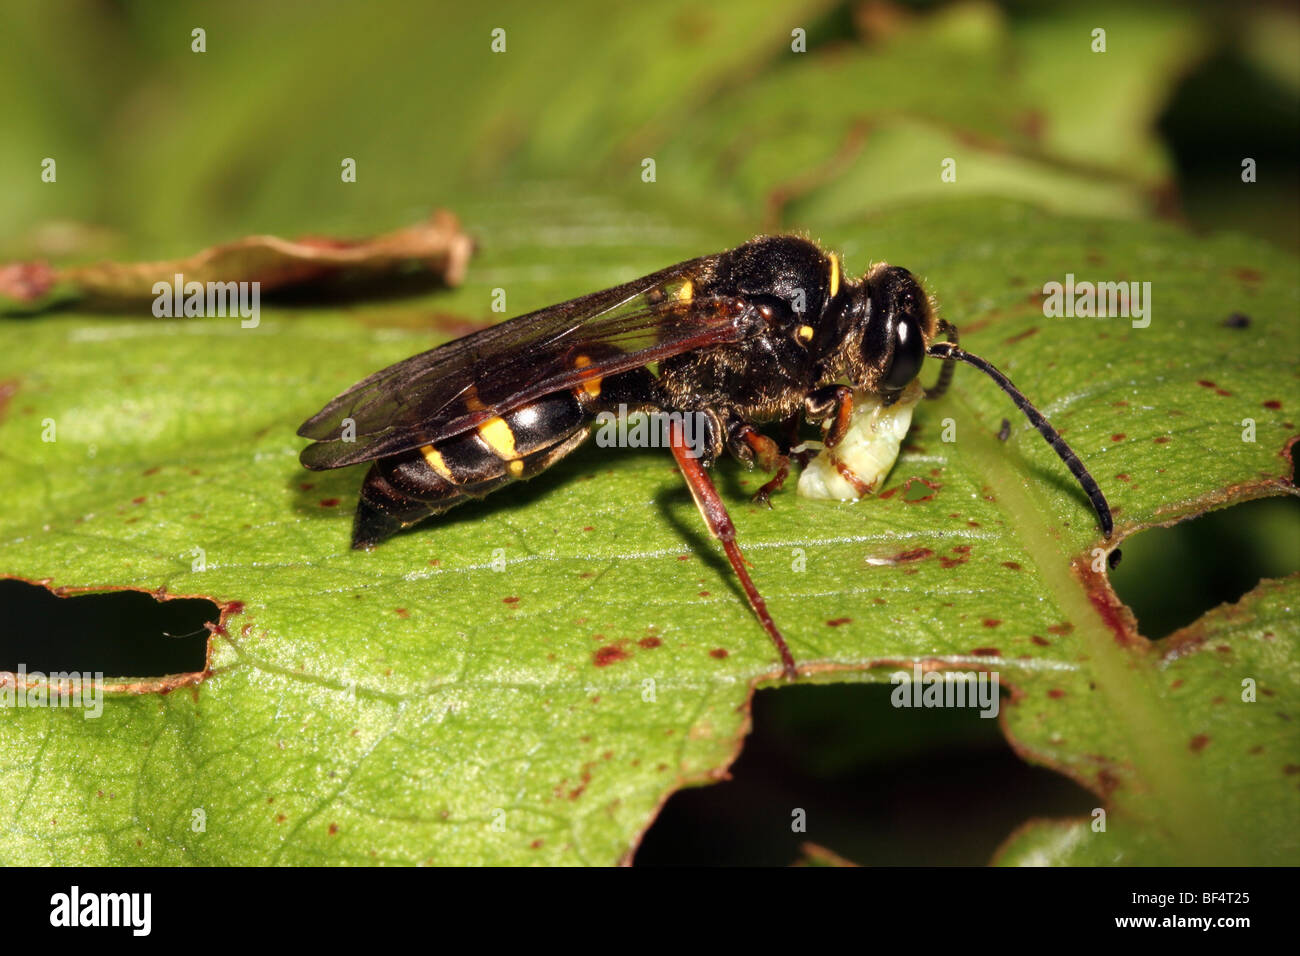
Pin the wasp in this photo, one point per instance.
(771, 333)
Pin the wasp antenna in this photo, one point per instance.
(945, 372)
(949, 351)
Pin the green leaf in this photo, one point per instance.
(414, 704)
(1238, 771)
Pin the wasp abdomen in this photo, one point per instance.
(403, 489)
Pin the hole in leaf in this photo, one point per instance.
(1171, 576)
(880, 786)
(116, 633)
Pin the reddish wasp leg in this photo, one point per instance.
(764, 494)
(767, 454)
(714, 513)
(843, 418)
(837, 407)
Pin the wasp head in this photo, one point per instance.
(886, 326)
(899, 325)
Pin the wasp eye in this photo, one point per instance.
(908, 354)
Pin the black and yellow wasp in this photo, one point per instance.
(768, 333)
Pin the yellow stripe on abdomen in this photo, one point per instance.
(498, 436)
(434, 458)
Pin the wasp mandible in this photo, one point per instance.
(768, 333)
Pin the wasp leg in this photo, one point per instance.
(749, 445)
(715, 516)
(791, 427)
(834, 402)
(774, 484)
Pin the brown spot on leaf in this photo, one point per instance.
(986, 652)
(1161, 439)
(329, 502)
(991, 622)
(1197, 743)
(1011, 565)
(650, 643)
(609, 655)
(963, 555)
(1273, 403)
(401, 612)
(510, 600)
(1055, 693)
(837, 621)
(575, 793)
(1119, 436)
(719, 653)
(1040, 640)
(920, 554)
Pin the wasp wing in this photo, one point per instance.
(450, 389)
